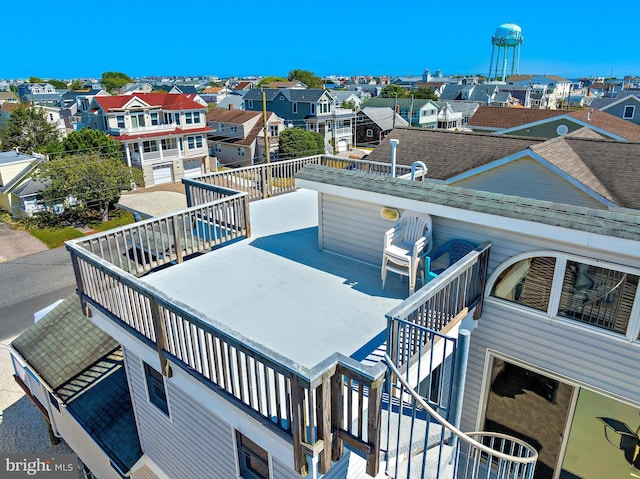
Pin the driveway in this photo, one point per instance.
(17, 243)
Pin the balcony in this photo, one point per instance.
(258, 288)
(343, 132)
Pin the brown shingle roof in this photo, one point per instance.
(448, 153)
(231, 116)
(608, 122)
(499, 117)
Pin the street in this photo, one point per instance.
(31, 283)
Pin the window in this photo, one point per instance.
(250, 104)
(120, 121)
(328, 125)
(294, 105)
(177, 118)
(240, 151)
(585, 291)
(253, 460)
(188, 119)
(137, 120)
(273, 130)
(169, 144)
(154, 118)
(156, 389)
(196, 117)
(628, 112)
(369, 133)
(149, 146)
(194, 142)
(233, 129)
(168, 118)
(217, 148)
(313, 108)
(220, 127)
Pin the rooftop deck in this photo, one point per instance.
(280, 290)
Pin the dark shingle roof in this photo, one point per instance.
(63, 343)
(577, 218)
(448, 153)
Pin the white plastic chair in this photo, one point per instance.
(405, 245)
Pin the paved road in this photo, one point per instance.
(31, 283)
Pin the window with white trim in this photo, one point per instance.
(240, 151)
(253, 460)
(137, 120)
(188, 118)
(233, 128)
(196, 117)
(154, 118)
(369, 133)
(217, 148)
(194, 142)
(629, 111)
(569, 287)
(120, 121)
(149, 146)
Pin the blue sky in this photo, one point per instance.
(570, 39)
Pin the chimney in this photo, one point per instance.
(589, 114)
(394, 145)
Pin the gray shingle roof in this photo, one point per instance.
(383, 117)
(63, 343)
(448, 153)
(291, 94)
(577, 218)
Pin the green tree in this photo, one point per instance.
(350, 104)
(95, 181)
(76, 85)
(58, 84)
(306, 77)
(390, 91)
(87, 140)
(296, 143)
(112, 81)
(425, 93)
(29, 131)
(266, 80)
(35, 80)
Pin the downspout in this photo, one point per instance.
(394, 145)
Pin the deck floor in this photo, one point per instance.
(279, 292)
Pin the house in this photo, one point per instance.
(312, 109)
(626, 107)
(286, 84)
(82, 392)
(237, 136)
(43, 94)
(8, 97)
(190, 91)
(243, 85)
(538, 324)
(131, 88)
(448, 119)
(346, 96)
(420, 113)
(233, 101)
(547, 90)
(75, 102)
(163, 134)
(551, 123)
(465, 109)
(214, 95)
(374, 123)
(20, 194)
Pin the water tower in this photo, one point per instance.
(507, 40)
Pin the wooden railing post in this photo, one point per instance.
(247, 216)
(161, 336)
(374, 415)
(297, 427)
(80, 285)
(324, 424)
(337, 415)
(176, 239)
(483, 266)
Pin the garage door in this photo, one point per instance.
(162, 174)
(192, 168)
(343, 145)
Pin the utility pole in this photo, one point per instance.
(411, 111)
(395, 107)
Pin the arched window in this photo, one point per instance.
(570, 287)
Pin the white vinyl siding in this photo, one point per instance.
(528, 178)
(192, 442)
(352, 228)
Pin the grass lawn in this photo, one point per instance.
(119, 218)
(54, 237)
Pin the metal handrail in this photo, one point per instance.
(464, 437)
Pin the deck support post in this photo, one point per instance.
(459, 375)
(374, 413)
(298, 427)
(161, 337)
(176, 239)
(324, 423)
(80, 285)
(337, 415)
